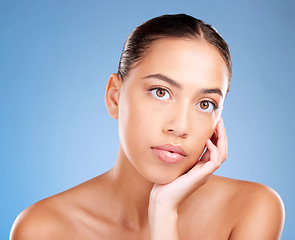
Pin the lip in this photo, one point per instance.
(169, 153)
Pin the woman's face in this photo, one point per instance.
(169, 106)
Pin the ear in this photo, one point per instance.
(112, 95)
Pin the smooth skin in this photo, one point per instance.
(175, 95)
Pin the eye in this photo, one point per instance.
(160, 93)
(207, 106)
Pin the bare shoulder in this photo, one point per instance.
(61, 216)
(42, 220)
(259, 209)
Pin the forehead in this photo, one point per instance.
(187, 61)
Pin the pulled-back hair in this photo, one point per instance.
(169, 26)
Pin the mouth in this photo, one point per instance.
(169, 153)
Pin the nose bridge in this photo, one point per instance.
(180, 118)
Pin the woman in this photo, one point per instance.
(168, 95)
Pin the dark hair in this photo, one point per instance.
(171, 26)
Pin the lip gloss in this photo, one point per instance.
(167, 156)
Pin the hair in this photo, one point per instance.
(169, 26)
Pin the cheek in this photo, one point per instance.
(136, 124)
(202, 130)
(204, 126)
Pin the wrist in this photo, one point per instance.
(158, 204)
(163, 223)
(161, 211)
(160, 216)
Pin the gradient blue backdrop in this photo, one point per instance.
(56, 57)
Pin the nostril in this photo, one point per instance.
(184, 135)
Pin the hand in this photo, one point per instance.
(165, 199)
(169, 196)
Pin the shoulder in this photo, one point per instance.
(42, 220)
(57, 217)
(259, 209)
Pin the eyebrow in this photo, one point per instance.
(165, 79)
(212, 90)
(178, 85)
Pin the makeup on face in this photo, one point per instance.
(169, 153)
(169, 106)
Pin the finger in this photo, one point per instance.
(214, 137)
(208, 163)
(205, 157)
(224, 134)
(225, 139)
(222, 140)
(213, 152)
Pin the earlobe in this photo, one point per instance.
(112, 95)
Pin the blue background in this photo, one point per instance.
(56, 57)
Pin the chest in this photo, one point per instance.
(203, 220)
(190, 228)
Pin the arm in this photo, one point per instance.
(165, 199)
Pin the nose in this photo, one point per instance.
(178, 123)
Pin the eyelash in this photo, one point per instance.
(214, 105)
(159, 88)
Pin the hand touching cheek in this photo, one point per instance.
(170, 195)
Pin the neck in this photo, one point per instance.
(130, 192)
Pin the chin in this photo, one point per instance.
(163, 179)
(163, 175)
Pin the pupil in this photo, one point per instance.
(204, 105)
(160, 93)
